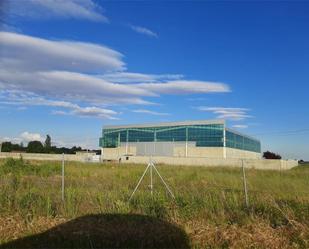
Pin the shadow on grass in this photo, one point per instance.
(107, 231)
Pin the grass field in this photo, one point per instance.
(209, 210)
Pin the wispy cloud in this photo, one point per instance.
(129, 77)
(143, 30)
(85, 79)
(228, 113)
(185, 87)
(196, 99)
(23, 99)
(38, 9)
(89, 111)
(57, 112)
(240, 126)
(143, 111)
(17, 49)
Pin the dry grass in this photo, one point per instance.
(209, 203)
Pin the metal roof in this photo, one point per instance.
(181, 123)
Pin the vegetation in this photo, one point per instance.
(47, 143)
(209, 209)
(38, 147)
(35, 147)
(271, 155)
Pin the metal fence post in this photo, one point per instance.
(62, 179)
(151, 184)
(245, 183)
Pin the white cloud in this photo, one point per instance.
(28, 136)
(59, 141)
(143, 30)
(23, 98)
(143, 111)
(15, 140)
(59, 112)
(128, 77)
(185, 87)
(240, 126)
(89, 111)
(196, 99)
(59, 76)
(28, 99)
(227, 112)
(17, 49)
(68, 9)
(83, 78)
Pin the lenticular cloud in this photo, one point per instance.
(91, 74)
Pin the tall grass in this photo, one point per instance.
(208, 197)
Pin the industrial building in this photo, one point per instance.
(203, 139)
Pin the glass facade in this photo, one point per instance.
(204, 135)
(208, 135)
(237, 141)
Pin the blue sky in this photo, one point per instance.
(69, 67)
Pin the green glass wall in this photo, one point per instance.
(204, 135)
(237, 141)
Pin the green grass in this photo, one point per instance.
(209, 204)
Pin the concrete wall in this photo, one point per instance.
(45, 157)
(180, 151)
(209, 152)
(188, 161)
(236, 153)
(215, 162)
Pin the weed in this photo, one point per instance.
(209, 202)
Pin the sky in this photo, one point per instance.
(67, 68)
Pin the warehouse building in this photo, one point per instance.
(204, 138)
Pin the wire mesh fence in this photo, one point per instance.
(70, 188)
(210, 202)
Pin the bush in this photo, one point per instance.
(21, 167)
(35, 147)
(271, 155)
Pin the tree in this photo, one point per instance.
(271, 155)
(47, 143)
(35, 147)
(6, 147)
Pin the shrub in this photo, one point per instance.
(21, 167)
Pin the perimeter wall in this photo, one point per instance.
(215, 162)
(187, 161)
(177, 149)
(45, 157)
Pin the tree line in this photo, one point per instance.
(39, 147)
